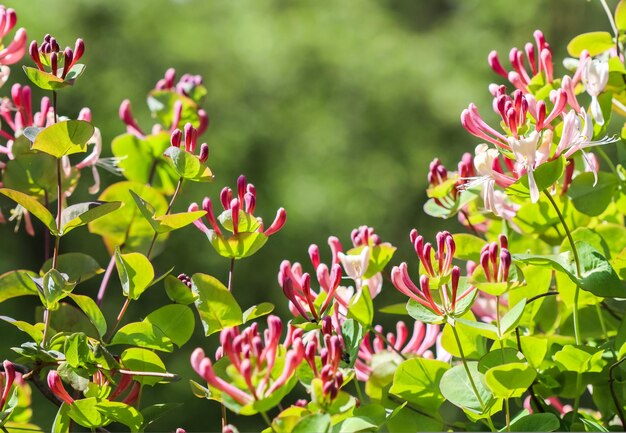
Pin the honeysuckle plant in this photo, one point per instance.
(517, 323)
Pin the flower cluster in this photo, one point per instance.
(253, 361)
(14, 51)
(331, 353)
(189, 139)
(49, 54)
(445, 276)
(248, 231)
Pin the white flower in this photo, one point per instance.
(595, 77)
(525, 151)
(355, 265)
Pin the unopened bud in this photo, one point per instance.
(79, 49)
(176, 138)
(204, 152)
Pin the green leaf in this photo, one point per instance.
(174, 321)
(237, 246)
(352, 333)
(154, 412)
(511, 319)
(398, 309)
(468, 246)
(62, 421)
(122, 413)
(472, 339)
(257, 311)
(79, 267)
(91, 309)
(142, 160)
(497, 357)
(510, 380)
(217, 307)
(579, 359)
(34, 207)
(421, 313)
(64, 138)
(407, 420)
(136, 359)
(456, 387)
(361, 307)
(480, 281)
(17, 283)
(620, 15)
(54, 288)
(168, 223)
(178, 291)
(83, 213)
(315, 423)
(136, 273)
(68, 318)
(143, 334)
(125, 228)
(44, 80)
(597, 274)
(417, 381)
(593, 199)
(187, 165)
(84, 413)
(594, 42)
(545, 176)
(35, 332)
(535, 422)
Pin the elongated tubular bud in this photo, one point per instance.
(335, 247)
(27, 105)
(530, 55)
(546, 63)
(56, 386)
(249, 203)
(204, 152)
(16, 94)
(225, 197)
(456, 275)
(495, 64)
(241, 187)
(210, 216)
(279, 222)
(503, 241)
(170, 76)
(505, 264)
(234, 209)
(246, 371)
(292, 360)
(193, 207)
(207, 373)
(11, 20)
(425, 287)
(176, 137)
(203, 125)
(484, 262)
(33, 51)
(122, 386)
(54, 63)
(126, 115)
(79, 50)
(133, 395)
(68, 57)
(9, 377)
(177, 111)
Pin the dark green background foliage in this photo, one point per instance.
(332, 109)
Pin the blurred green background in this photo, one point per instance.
(332, 109)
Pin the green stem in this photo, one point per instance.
(359, 393)
(579, 383)
(167, 212)
(508, 414)
(120, 316)
(609, 14)
(467, 370)
(616, 402)
(576, 260)
(267, 420)
(231, 272)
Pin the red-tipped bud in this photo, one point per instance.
(204, 152)
(279, 222)
(503, 241)
(225, 196)
(241, 186)
(54, 63)
(56, 386)
(203, 118)
(79, 49)
(210, 216)
(234, 209)
(176, 137)
(9, 375)
(314, 254)
(250, 202)
(33, 51)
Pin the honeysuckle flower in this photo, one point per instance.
(184, 87)
(17, 114)
(50, 54)
(595, 76)
(420, 343)
(14, 51)
(6, 382)
(253, 359)
(446, 275)
(56, 386)
(18, 214)
(248, 231)
(189, 139)
(495, 260)
(539, 61)
(330, 355)
(355, 265)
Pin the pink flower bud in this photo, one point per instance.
(225, 196)
(79, 50)
(204, 152)
(495, 64)
(177, 112)
(133, 395)
(56, 386)
(279, 222)
(53, 63)
(176, 138)
(203, 121)
(210, 216)
(234, 209)
(122, 386)
(9, 375)
(170, 76)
